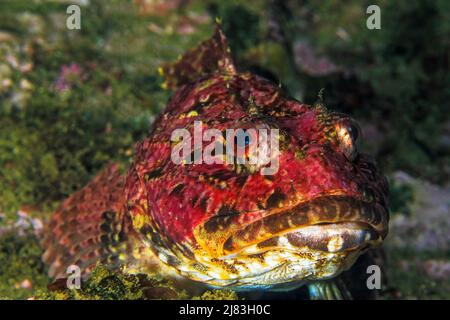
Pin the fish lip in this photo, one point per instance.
(355, 236)
(325, 210)
(335, 237)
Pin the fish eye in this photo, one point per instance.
(354, 131)
(348, 135)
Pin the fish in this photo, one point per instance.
(230, 222)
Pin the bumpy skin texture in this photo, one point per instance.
(89, 225)
(194, 216)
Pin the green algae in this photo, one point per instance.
(217, 295)
(20, 260)
(105, 284)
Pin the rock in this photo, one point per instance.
(310, 63)
(435, 269)
(424, 225)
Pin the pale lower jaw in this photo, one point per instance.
(285, 269)
(329, 237)
(299, 270)
(297, 256)
(305, 254)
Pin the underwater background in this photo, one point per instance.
(72, 101)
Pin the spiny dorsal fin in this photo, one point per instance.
(210, 56)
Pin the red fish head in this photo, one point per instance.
(306, 214)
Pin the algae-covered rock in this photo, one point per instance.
(421, 222)
(418, 243)
(105, 284)
(217, 295)
(413, 275)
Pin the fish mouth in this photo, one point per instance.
(311, 252)
(313, 240)
(328, 224)
(326, 237)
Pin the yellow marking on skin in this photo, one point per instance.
(113, 249)
(206, 84)
(137, 255)
(192, 113)
(122, 257)
(139, 220)
(227, 78)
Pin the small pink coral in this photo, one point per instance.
(67, 74)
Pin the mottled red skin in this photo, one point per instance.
(321, 169)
